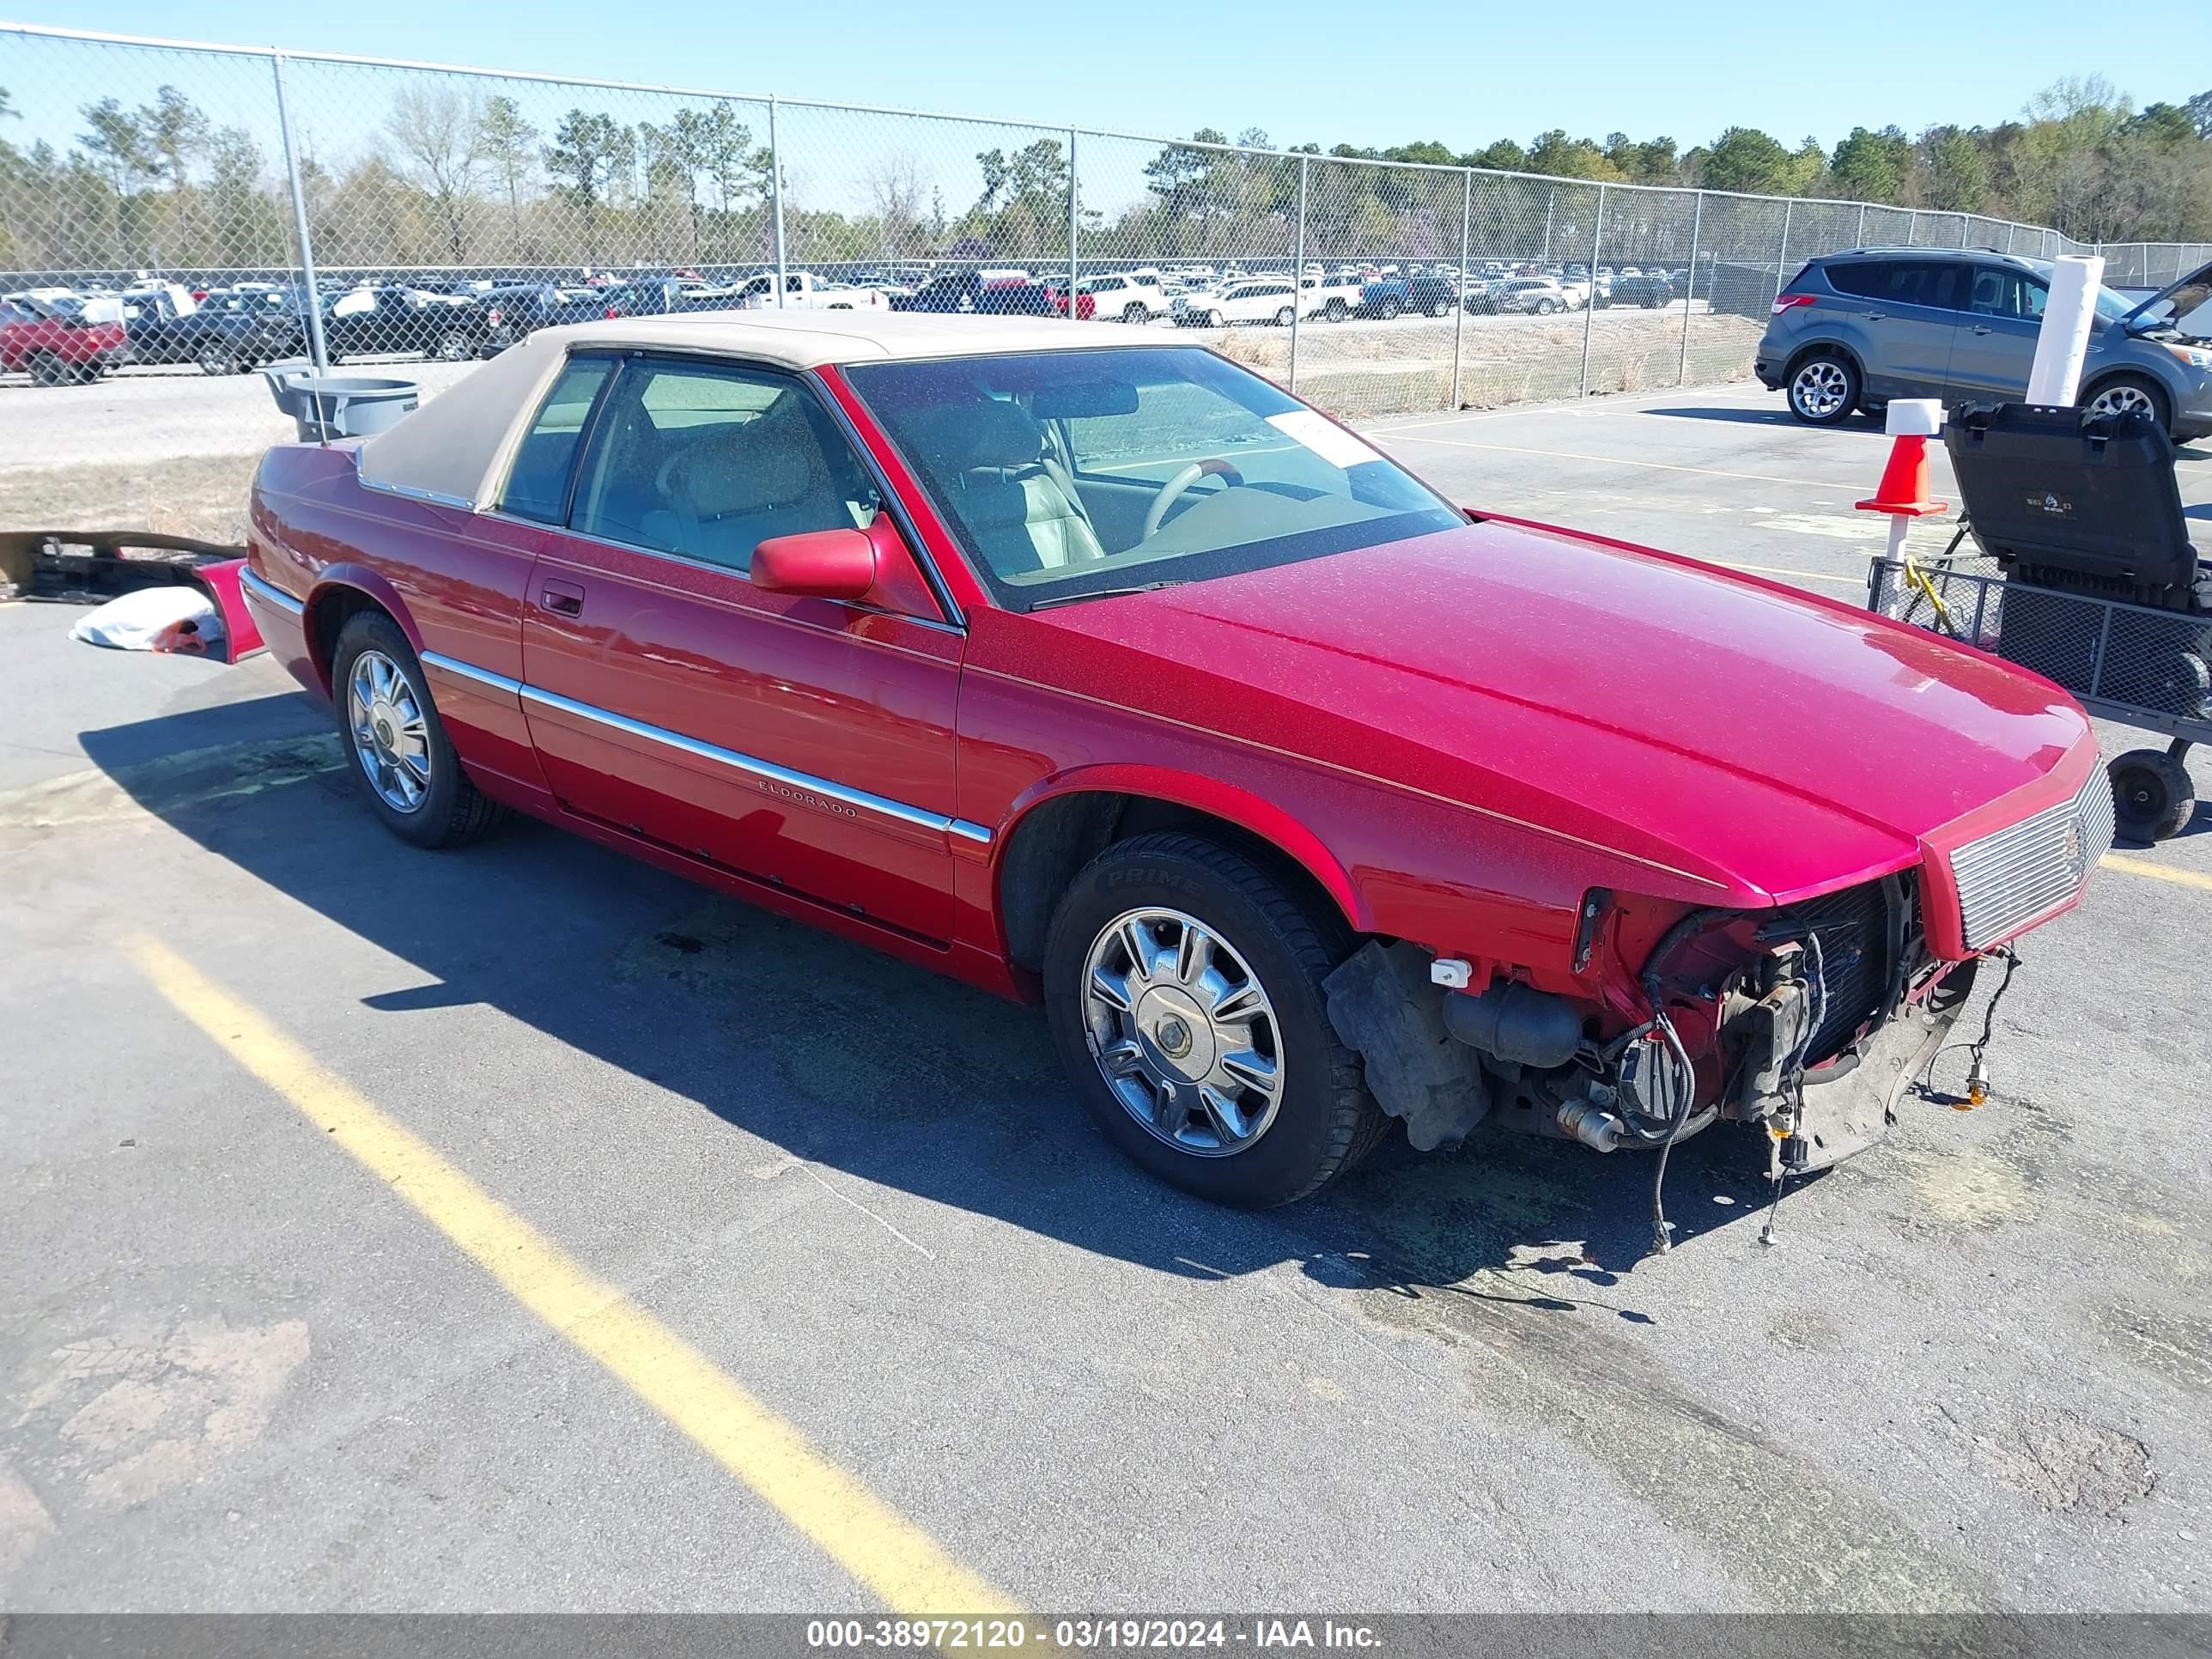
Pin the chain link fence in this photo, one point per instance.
(174, 216)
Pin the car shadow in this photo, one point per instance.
(1735, 416)
(855, 1062)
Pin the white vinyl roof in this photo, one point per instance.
(455, 448)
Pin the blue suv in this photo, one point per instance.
(1852, 331)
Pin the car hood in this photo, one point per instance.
(1769, 742)
(2202, 273)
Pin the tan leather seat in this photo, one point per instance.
(1021, 510)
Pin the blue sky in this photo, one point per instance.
(1320, 69)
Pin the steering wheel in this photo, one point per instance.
(1173, 490)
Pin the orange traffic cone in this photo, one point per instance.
(1904, 488)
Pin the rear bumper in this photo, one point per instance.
(1769, 374)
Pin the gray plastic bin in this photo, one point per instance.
(326, 406)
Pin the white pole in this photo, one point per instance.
(2063, 340)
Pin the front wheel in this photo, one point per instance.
(1286, 317)
(1823, 390)
(1439, 308)
(1135, 313)
(1215, 319)
(1546, 307)
(1183, 984)
(46, 370)
(2130, 394)
(454, 346)
(403, 759)
(1388, 311)
(218, 360)
(1336, 311)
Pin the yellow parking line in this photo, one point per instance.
(902, 1565)
(2157, 871)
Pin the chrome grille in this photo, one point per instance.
(2012, 876)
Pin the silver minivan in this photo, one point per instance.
(1852, 331)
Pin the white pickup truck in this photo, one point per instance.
(804, 291)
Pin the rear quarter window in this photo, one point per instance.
(537, 482)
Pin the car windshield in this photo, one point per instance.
(1066, 474)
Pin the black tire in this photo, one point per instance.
(1546, 307)
(453, 810)
(46, 370)
(2152, 794)
(1286, 317)
(1824, 388)
(1336, 311)
(1439, 308)
(1388, 311)
(218, 360)
(2133, 390)
(454, 346)
(1133, 313)
(1326, 1120)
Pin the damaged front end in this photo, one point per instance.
(1810, 1022)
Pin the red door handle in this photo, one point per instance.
(562, 599)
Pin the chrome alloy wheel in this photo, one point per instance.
(1183, 1032)
(391, 738)
(1819, 388)
(2123, 399)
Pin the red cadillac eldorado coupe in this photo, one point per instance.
(1103, 672)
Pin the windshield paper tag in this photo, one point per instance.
(1325, 438)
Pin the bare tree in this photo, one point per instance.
(896, 192)
(439, 130)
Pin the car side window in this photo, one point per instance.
(1863, 279)
(707, 462)
(2028, 296)
(537, 482)
(1993, 293)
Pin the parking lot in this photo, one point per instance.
(523, 1229)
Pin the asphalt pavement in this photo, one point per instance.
(523, 1229)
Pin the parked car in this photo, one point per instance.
(1333, 297)
(507, 315)
(223, 334)
(993, 293)
(804, 291)
(1134, 296)
(1391, 296)
(1304, 800)
(1268, 300)
(1852, 331)
(1532, 295)
(54, 342)
(394, 319)
(1650, 290)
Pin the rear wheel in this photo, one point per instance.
(1184, 988)
(1215, 319)
(2130, 394)
(1135, 313)
(218, 360)
(1546, 307)
(1824, 389)
(1336, 311)
(1388, 311)
(49, 370)
(1439, 308)
(1286, 317)
(403, 759)
(454, 346)
(2152, 794)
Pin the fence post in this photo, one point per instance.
(1860, 240)
(2011, 230)
(311, 305)
(1073, 209)
(1299, 275)
(1782, 254)
(775, 196)
(1551, 202)
(1690, 288)
(1913, 230)
(1466, 255)
(1589, 306)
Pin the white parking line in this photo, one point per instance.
(1616, 461)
